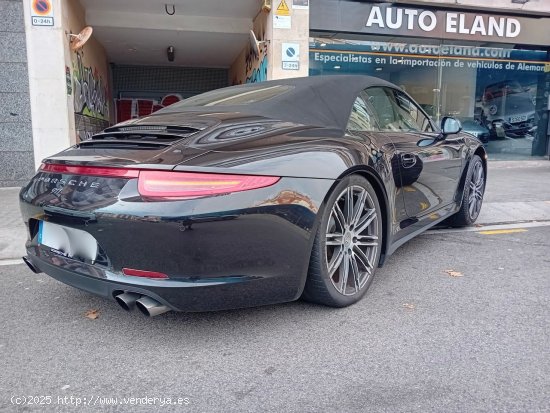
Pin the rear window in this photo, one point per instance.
(232, 96)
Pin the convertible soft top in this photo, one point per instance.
(324, 101)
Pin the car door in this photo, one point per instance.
(429, 166)
(363, 124)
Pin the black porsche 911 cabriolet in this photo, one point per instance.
(250, 195)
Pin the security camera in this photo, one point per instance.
(171, 53)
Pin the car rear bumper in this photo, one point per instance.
(178, 295)
(246, 250)
(512, 130)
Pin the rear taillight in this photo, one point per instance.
(182, 185)
(169, 184)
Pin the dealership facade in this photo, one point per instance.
(491, 71)
(485, 62)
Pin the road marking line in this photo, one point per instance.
(522, 225)
(11, 262)
(502, 231)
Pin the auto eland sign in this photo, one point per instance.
(427, 20)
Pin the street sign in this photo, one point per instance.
(282, 22)
(290, 56)
(41, 13)
(282, 9)
(281, 17)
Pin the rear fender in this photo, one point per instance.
(473, 150)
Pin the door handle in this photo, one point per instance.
(408, 160)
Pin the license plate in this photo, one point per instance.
(516, 119)
(68, 242)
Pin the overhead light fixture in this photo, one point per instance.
(337, 67)
(378, 69)
(520, 1)
(323, 44)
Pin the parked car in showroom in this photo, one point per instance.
(508, 109)
(474, 128)
(251, 195)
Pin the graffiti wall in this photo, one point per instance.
(90, 99)
(90, 91)
(256, 66)
(250, 67)
(87, 126)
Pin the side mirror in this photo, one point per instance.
(450, 125)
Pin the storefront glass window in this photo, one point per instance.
(500, 94)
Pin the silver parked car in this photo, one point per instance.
(508, 109)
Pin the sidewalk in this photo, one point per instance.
(13, 233)
(517, 191)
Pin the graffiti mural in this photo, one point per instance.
(90, 91)
(131, 108)
(87, 126)
(256, 65)
(91, 99)
(258, 74)
(249, 66)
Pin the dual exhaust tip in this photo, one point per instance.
(146, 305)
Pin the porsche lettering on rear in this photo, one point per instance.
(59, 182)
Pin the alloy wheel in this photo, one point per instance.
(477, 186)
(352, 236)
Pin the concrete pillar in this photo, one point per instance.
(47, 83)
(298, 33)
(268, 65)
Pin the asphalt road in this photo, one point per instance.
(421, 341)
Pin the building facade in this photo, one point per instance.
(489, 69)
(485, 62)
(16, 144)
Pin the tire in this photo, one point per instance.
(348, 241)
(475, 181)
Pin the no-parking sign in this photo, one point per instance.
(291, 56)
(41, 12)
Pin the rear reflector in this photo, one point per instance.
(182, 185)
(141, 273)
(89, 170)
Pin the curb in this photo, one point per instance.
(496, 164)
